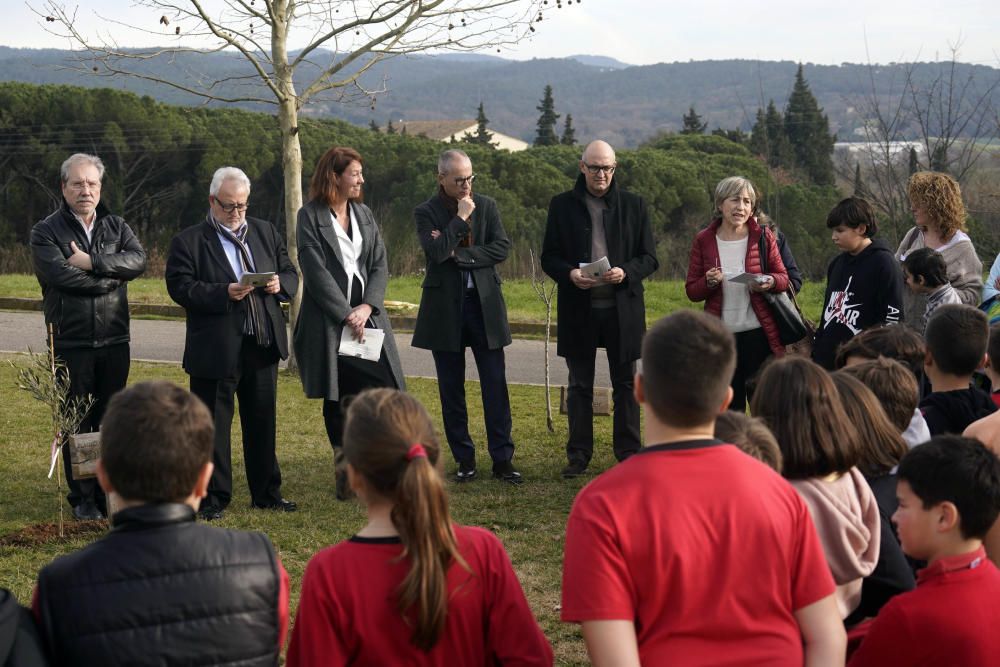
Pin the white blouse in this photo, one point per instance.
(350, 250)
(737, 311)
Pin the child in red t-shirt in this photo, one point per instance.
(411, 587)
(691, 552)
(949, 496)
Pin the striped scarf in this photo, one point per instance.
(255, 321)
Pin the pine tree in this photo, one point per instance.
(914, 163)
(569, 132)
(373, 126)
(768, 138)
(808, 132)
(859, 188)
(546, 127)
(939, 158)
(482, 136)
(390, 128)
(692, 123)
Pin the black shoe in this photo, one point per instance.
(87, 511)
(210, 513)
(280, 505)
(466, 472)
(342, 488)
(574, 469)
(504, 471)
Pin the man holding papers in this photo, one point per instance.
(235, 332)
(462, 306)
(598, 224)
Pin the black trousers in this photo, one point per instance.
(353, 377)
(626, 439)
(100, 372)
(752, 350)
(255, 385)
(493, 384)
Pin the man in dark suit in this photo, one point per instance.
(235, 333)
(462, 306)
(593, 220)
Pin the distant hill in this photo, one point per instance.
(624, 104)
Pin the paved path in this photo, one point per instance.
(163, 340)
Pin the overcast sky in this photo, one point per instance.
(649, 31)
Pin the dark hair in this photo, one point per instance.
(323, 185)
(381, 427)
(957, 336)
(880, 443)
(688, 358)
(894, 386)
(853, 212)
(800, 404)
(751, 435)
(896, 341)
(962, 471)
(155, 440)
(928, 264)
(994, 350)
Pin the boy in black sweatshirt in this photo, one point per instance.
(864, 283)
(957, 336)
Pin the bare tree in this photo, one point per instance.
(337, 41)
(546, 293)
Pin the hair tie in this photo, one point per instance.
(416, 450)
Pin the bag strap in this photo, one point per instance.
(762, 249)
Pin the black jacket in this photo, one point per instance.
(862, 291)
(198, 275)
(88, 308)
(630, 247)
(20, 645)
(161, 589)
(953, 411)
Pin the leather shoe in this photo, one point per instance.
(280, 505)
(87, 511)
(574, 469)
(504, 471)
(210, 513)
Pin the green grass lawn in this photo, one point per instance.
(530, 519)
(662, 296)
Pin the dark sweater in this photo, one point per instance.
(953, 411)
(862, 291)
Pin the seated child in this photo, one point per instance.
(949, 496)
(658, 565)
(751, 435)
(160, 588)
(926, 273)
(411, 587)
(957, 337)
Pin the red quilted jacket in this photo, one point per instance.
(705, 255)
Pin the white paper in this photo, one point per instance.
(746, 278)
(256, 279)
(595, 269)
(369, 350)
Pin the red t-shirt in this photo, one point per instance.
(348, 615)
(708, 551)
(949, 619)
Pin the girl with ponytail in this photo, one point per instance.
(410, 587)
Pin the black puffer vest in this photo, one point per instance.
(160, 589)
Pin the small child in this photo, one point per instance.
(751, 435)
(949, 496)
(957, 337)
(926, 273)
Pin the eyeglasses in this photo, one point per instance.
(459, 182)
(229, 208)
(596, 169)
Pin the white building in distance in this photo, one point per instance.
(445, 130)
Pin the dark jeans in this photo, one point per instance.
(580, 395)
(752, 350)
(100, 372)
(493, 384)
(255, 384)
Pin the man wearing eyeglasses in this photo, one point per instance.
(235, 333)
(84, 257)
(594, 220)
(462, 306)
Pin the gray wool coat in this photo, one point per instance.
(325, 302)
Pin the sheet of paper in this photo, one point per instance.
(746, 278)
(369, 349)
(256, 279)
(595, 269)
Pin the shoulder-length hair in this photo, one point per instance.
(798, 401)
(323, 185)
(940, 197)
(881, 444)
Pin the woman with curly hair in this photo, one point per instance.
(939, 217)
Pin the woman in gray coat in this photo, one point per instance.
(344, 276)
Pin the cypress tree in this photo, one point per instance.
(546, 128)
(768, 138)
(482, 136)
(569, 133)
(939, 158)
(373, 126)
(914, 163)
(859, 188)
(808, 132)
(390, 128)
(692, 123)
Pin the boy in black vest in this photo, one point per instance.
(161, 589)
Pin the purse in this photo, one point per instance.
(793, 327)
